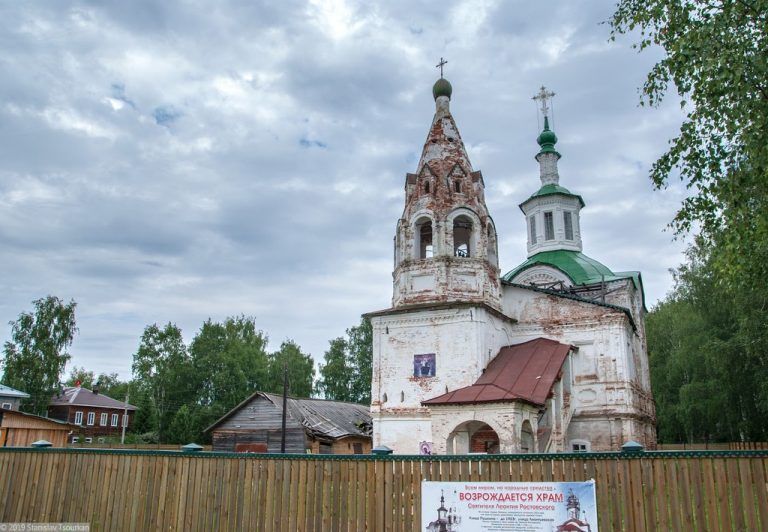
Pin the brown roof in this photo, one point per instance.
(6, 412)
(79, 396)
(524, 372)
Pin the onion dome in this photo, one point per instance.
(442, 88)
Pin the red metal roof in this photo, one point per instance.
(524, 372)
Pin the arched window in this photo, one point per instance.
(457, 186)
(424, 248)
(462, 236)
(426, 187)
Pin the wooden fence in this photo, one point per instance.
(143, 490)
(730, 446)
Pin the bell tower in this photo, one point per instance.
(445, 242)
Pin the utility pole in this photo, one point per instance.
(285, 406)
(125, 416)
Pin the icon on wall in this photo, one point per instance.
(425, 447)
(424, 365)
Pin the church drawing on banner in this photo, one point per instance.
(548, 357)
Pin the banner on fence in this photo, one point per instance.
(508, 506)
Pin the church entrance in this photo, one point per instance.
(472, 437)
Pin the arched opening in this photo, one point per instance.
(491, 245)
(457, 186)
(484, 440)
(462, 236)
(426, 187)
(472, 437)
(424, 248)
(526, 438)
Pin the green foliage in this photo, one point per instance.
(36, 356)
(347, 371)
(300, 368)
(163, 365)
(707, 340)
(716, 55)
(109, 384)
(708, 370)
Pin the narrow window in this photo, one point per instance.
(457, 186)
(114, 420)
(549, 226)
(532, 224)
(426, 187)
(78, 418)
(91, 418)
(425, 239)
(384, 398)
(568, 224)
(402, 397)
(462, 233)
(103, 419)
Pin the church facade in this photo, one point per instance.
(548, 357)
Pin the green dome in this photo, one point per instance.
(442, 88)
(547, 139)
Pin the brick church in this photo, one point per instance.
(547, 357)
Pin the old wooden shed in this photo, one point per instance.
(19, 429)
(313, 425)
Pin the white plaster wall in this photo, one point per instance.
(610, 369)
(461, 339)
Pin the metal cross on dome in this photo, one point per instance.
(544, 96)
(440, 66)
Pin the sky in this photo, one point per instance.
(178, 161)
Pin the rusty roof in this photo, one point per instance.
(522, 372)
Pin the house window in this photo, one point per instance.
(579, 446)
(102, 440)
(114, 420)
(568, 225)
(91, 418)
(549, 226)
(532, 225)
(89, 440)
(125, 420)
(104, 419)
(457, 186)
(78, 418)
(7, 406)
(357, 448)
(75, 439)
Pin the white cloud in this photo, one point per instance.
(164, 163)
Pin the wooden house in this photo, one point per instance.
(312, 426)
(19, 429)
(10, 399)
(94, 414)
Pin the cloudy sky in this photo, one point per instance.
(174, 161)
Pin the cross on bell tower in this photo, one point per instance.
(544, 96)
(440, 65)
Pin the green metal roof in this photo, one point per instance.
(579, 268)
(549, 190)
